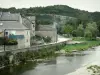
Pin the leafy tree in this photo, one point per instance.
(67, 29)
(80, 30)
(98, 26)
(88, 34)
(74, 33)
(91, 30)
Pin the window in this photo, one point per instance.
(6, 33)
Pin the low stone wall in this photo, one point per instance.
(12, 47)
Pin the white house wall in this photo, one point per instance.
(22, 43)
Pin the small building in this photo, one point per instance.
(48, 30)
(11, 25)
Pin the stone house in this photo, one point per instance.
(11, 25)
(48, 30)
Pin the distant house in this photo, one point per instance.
(48, 30)
(29, 22)
(11, 25)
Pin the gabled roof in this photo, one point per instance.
(7, 16)
(11, 25)
(27, 21)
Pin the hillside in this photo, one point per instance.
(58, 10)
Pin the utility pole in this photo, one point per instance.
(55, 31)
(4, 39)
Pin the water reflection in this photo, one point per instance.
(61, 65)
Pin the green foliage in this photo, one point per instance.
(47, 39)
(79, 39)
(1, 41)
(67, 29)
(7, 41)
(88, 34)
(82, 46)
(30, 55)
(44, 19)
(91, 30)
(11, 42)
(80, 31)
(4, 59)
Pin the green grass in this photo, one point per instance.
(79, 39)
(84, 39)
(82, 46)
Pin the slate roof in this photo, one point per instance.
(10, 21)
(7, 16)
(27, 21)
(11, 25)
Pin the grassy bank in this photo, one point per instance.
(82, 46)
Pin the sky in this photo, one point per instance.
(88, 5)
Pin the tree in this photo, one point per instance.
(80, 30)
(98, 24)
(91, 29)
(67, 29)
(88, 34)
(12, 9)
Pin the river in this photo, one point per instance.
(61, 65)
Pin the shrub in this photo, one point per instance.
(47, 39)
(8, 41)
(11, 42)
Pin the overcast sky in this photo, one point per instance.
(90, 5)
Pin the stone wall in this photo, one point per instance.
(8, 48)
(48, 30)
(51, 34)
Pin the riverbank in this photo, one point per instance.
(60, 65)
(10, 59)
(91, 67)
(81, 46)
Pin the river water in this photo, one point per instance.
(61, 65)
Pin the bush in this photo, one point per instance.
(11, 42)
(8, 41)
(1, 40)
(47, 39)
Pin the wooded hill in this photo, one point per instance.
(58, 10)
